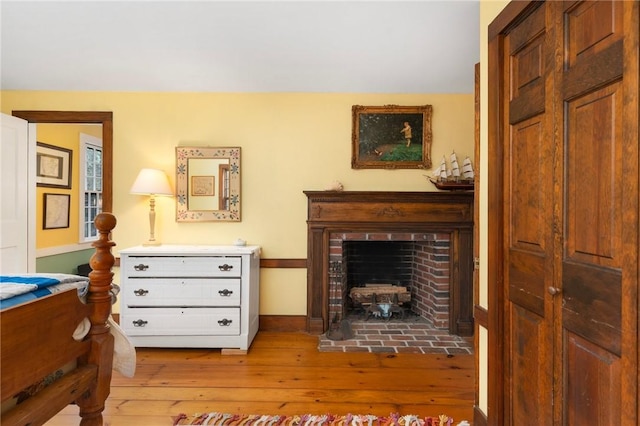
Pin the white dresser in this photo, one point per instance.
(190, 296)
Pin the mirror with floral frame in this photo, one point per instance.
(207, 184)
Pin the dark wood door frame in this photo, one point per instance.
(84, 117)
(495, 218)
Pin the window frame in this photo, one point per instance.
(87, 141)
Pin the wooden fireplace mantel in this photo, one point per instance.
(373, 211)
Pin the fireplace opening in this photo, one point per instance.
(378, 261)
(390, 276)
(374, 271)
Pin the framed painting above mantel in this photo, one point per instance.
(391, 137)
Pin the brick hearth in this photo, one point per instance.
(396, 336)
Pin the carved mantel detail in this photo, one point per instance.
(390, 212)
(371, 211)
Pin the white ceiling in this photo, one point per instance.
(240, 46)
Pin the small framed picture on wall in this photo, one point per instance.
(56, 211)
(203, 186)
(53, 166)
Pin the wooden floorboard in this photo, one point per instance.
(284, 373)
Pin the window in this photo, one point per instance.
(223, 190)
(90, 185)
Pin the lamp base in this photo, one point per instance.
(152, 243)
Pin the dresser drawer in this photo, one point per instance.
(182, 292)
(189, 266)
(182, 321)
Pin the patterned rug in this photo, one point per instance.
(225, 419)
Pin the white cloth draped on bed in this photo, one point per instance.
(17, 289)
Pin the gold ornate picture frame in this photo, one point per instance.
(391, 137)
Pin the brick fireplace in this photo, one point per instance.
(418, 261)
(425, 221)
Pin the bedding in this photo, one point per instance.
(17, 289)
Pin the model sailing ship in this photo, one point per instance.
(450, 177)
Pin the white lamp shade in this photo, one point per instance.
(151, 181)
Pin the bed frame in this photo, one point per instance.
(37, 341)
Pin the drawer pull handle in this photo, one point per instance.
(140, 292)
(225, 292)
(225, 267)
(141, 267)
(140, 323)
(225, 322)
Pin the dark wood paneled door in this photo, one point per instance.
(529, 223)
(591, 89)
(567, 110)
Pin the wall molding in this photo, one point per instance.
(284, 323)
(479, 418)
(283, 263)
(481, 316)
(70, 248)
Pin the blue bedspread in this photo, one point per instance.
(17, 289)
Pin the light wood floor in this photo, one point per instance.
(283, 373)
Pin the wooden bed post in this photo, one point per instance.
(101, 353)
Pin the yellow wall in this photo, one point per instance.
(290, 142)
(64, 136)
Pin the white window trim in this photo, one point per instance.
(84, 141)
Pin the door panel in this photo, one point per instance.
(592, 390)
(526, 281)
(594, 177)
(529, 377)
(528, 219)
(527, 185)
(592, 303)
(528, 231)
(591, 28)
(14, 214)
(592, 94)
(526, 63)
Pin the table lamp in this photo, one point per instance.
(151, 182)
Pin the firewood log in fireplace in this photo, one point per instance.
(383, 292)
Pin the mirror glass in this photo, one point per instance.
(207, 184)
